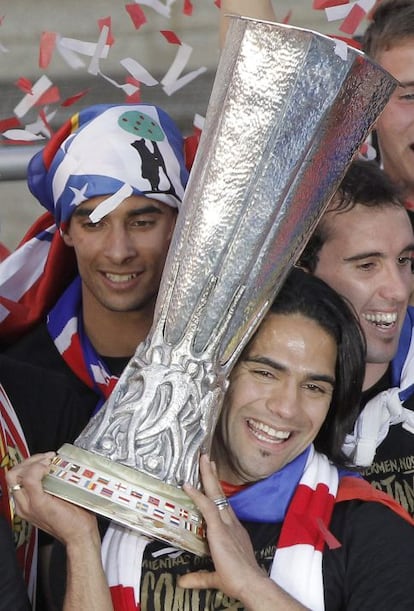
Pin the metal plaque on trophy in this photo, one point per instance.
(288, 111)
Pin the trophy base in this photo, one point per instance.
(128, 497)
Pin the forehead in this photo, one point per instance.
(296, 341)
(380, 228)
(130, 205)
(399, 60)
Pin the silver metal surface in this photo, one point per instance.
(286, 116)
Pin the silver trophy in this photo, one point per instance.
(288, 110)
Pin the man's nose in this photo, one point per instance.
(284, 402)
(119, 245)
(397, 283)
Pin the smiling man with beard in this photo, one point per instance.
(289, 527)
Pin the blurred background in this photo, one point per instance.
(71, 77)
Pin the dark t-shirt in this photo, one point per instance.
(372, 570)
(369, 571)
(53, 404)
(393, 468)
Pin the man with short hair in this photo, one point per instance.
(389, 40)
(363, 248)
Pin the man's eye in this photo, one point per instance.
(143, 223)
(408, 96)
(263, 373)
(368, 265)
(91, 225)
(315, 388)
(403, 261)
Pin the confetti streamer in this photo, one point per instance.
(187, 8)
(25, 85)
(137, 15)
(138, 72)
(136, 96)
(171, 37)
(172, 80)
(352, 20)
(84, 48)
(320, 5)
(93, 67)
(74, 98)
(106, 21)
(47, 46)
(70, 57)
(158, 7)
(29, 100)
(50, 96)
(39, 127)
(21, 135)
(9, 123)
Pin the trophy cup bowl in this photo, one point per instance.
(288, 111)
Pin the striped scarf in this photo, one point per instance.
(13, 450)
(302, 495)
(65, 325)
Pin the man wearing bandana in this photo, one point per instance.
(112, 180)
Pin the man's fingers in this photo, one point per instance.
(200, 580)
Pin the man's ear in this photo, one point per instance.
(66, 237)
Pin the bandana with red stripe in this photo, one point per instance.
(141, 152)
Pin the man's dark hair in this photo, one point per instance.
(311, 297)
(392, 22)
(365, 184)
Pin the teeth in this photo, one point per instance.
(381, 318)
(120, 277)
(269, 431)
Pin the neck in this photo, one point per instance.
(116, 334)
(373, 373)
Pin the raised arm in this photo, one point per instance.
(237, 573)
(260, 9)
(87, 589)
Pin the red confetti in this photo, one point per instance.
(287, 18)
(50, 96)
(136, 96)
(137, 15)
(42, 115)
(171, 37)
(190, 147)
(10, 123)
(47, 46)
(25, 85)
(74, 98)
(320, 5)
(188, 8)
(217, 3)
(2, 19)
(106, 21)
(352, 20)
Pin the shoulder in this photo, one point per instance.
(35, 346)
(372, 567)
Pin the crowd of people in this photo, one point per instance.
(308, 495)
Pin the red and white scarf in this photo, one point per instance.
(13, 449)
(302, 539)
